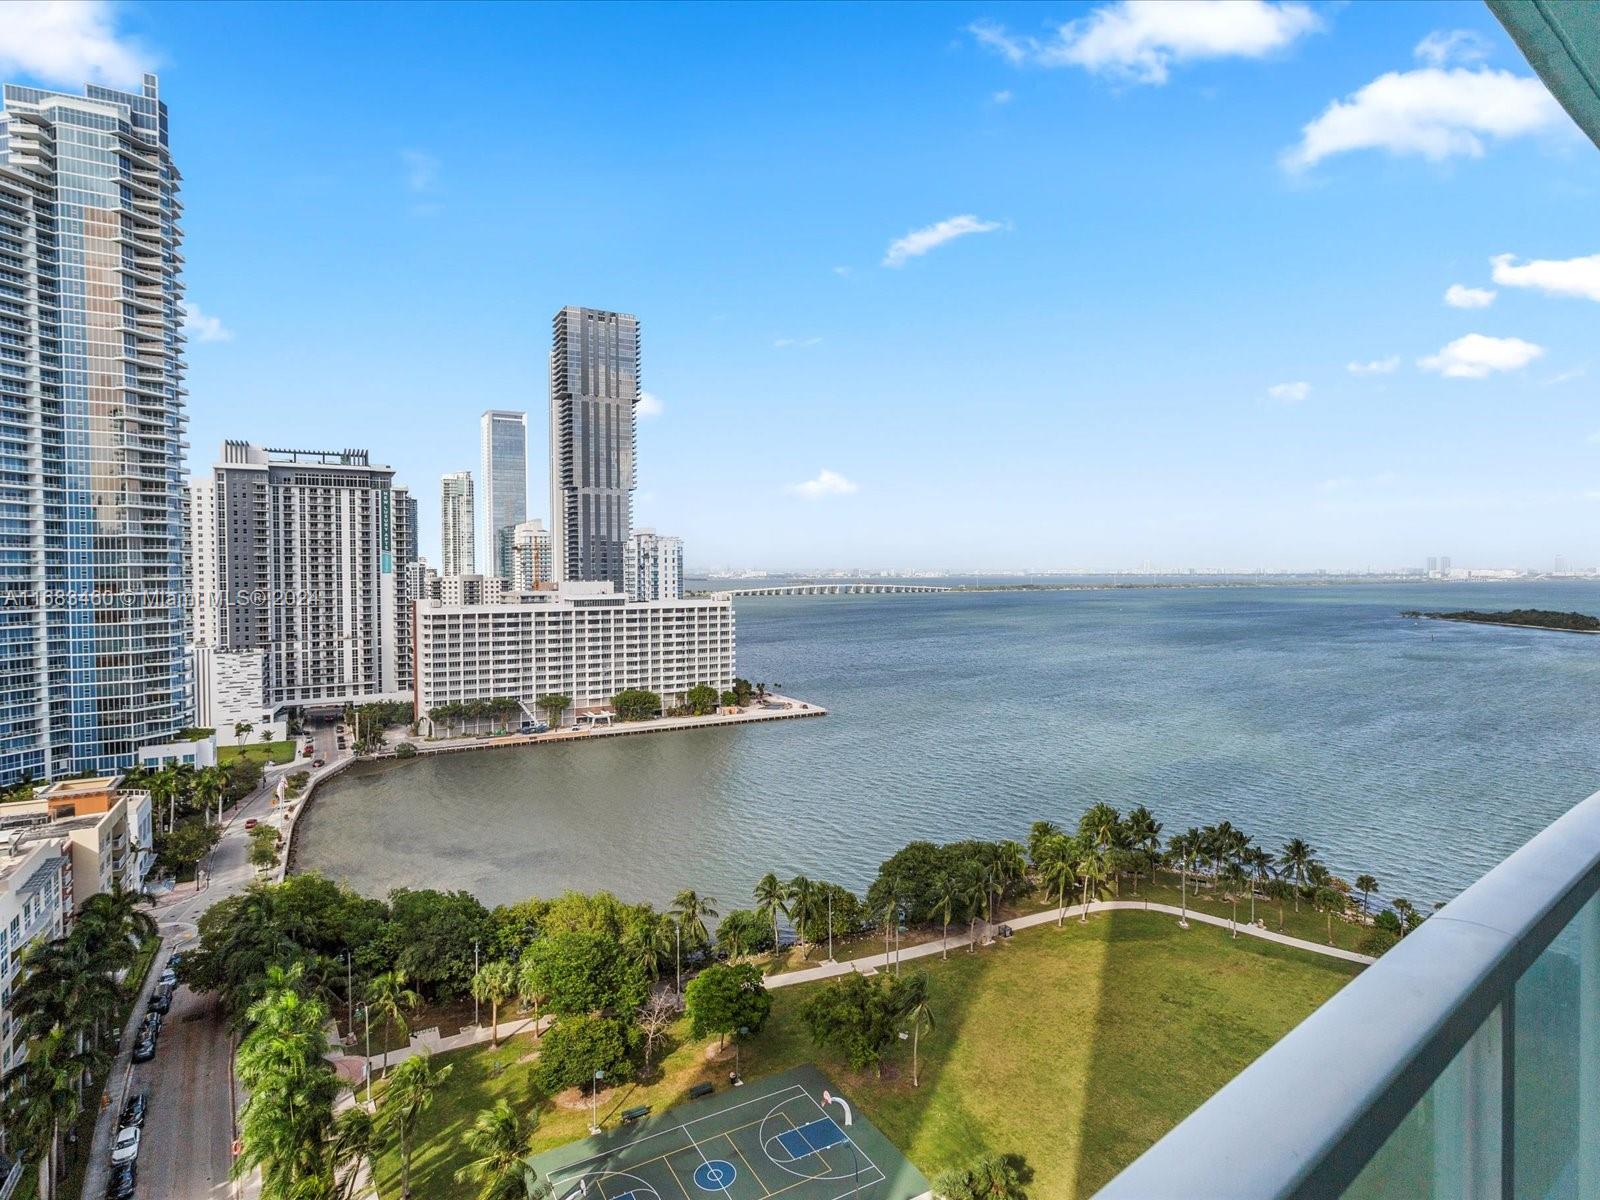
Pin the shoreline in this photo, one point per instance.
(787, 709)
(1499, 624)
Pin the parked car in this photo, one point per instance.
(169, 978)
(250, 822)
(307, 752)
(123, 1182)
(126, 1148)
(134, 1109)
(316, 762)
(145, 1048)
(152, 1024)
(160, 1001)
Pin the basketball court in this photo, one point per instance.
(790, 1135)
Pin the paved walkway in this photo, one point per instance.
(877, 962)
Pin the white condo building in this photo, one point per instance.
(532, 556)
(456, 524)
(652, 566)
(308, 550)
(583, 640)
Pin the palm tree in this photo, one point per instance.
(1102, 825)
(770, 896)
(407, 1097)
(1234, 876)
(648, 942)
(1058, 871)
(210, 785)
(921, 1018)
(1144, 834)
(1298, 858)
(500, 1140)
(800, 902)
(240, 728)
(1259, 863)
(390, 998)
(973, 890)
(1366, 885)
(1183, 848)
(495, 982)
(946, 895)
(1040, 833)
(1091, 868)
(988, 1177)
(691, 911)
(531, 987)
(43, 1095)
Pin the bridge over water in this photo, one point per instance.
(830, 589)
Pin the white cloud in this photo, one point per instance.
(1567, 376)
(827, 483)
(1001, 97)
(1554, 276)
(841, 272)
(422, 170)
(1140, 40)
(1445, 46)
(1290, 393)
(1436, 113)
(1459, 296)
(919, 241)
(68, 42)
(649, 405)
(1477, 356)
(789, 343)
(202, 327)
(1378, 366)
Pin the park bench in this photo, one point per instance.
(701, 1089)
(630, 1115)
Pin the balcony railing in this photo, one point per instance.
(1464, 1063)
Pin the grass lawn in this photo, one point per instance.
(1076, 1048)
(261, 752)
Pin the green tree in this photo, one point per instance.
(577, 1047)
(1366, 885)
(392, 1002)
(859, 1016)
(264, 846)
(987, 1177)
(578, 972)
(436, 932)
(920, 1018)
(635, 704)
(701, 699)
(1039, 833)
(725, 999)
(410, 1094)
(500, 1141)
(743, 932)
(691, 910)
(554, 706)
(1057, 864)
(495, 983)
(770, 896)
(43, 1096)
(1297, 860)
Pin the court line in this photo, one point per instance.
(865, 1157)
(687, 1194)
(565, 1172)
(570, 1168)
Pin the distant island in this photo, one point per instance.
(1532, 618)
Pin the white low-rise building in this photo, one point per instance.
(35, 906)
(582, 640)
(230, 693)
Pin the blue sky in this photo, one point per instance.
(1153, 241)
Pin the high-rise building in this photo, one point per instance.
(91, 431)
(456, 524)
(504, 476)
(307, 564)
(594, 385)
(652, 566)
(405, 553)
(532, 560)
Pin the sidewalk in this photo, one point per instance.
(1071, 912)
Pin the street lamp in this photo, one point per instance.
(475, 1020)
(742, 1031)
(594, 1101)
(350, 992)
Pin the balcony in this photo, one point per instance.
(1464, 1063)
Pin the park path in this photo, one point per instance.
(877, 962)
(429, 1041)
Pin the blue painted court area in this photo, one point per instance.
(809, 1139)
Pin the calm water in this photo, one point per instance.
(1421, 752)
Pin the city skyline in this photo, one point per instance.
(1243, 338)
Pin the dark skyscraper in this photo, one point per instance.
(594, 386)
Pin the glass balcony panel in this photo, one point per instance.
(1557, 1092)
(1448, 1146)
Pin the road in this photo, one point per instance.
(187, 1150)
